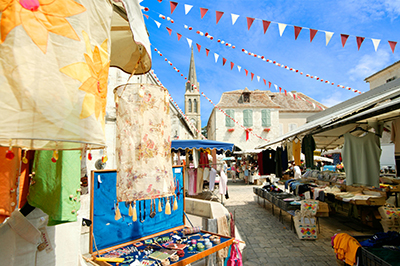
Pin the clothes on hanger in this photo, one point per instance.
(308, 147)
(296, 144)
(278, 162)
(395, 138)
(361, 157)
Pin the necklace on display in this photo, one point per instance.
(144, 211)
(152, 208)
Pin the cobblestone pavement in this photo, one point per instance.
(271, 242)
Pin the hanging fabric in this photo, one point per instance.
(296, 146)
(308, 147)
(143, 142)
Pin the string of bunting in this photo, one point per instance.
(177, 106)
(210, 101)
(250, 54)
(282, 26)
(252, 76)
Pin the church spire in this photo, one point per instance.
(192, 75)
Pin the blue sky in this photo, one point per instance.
(346, 66)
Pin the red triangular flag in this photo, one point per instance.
(247, 72)
(169, 30)
(173, 5)
(359, 41)
(269, 84)
(294, 96)
(344, 38)
(147, 16)
(232, 64)
(179, 36)
(198, 47)
(247, 135)
(312, 34)
(223, 61)
(249, 22)
(285, 92)
(203, 11)
(207, 50)
(297, 30)
(266, 25)
(280, 90)
(392, 45)
(265, 82)
(252, 76)
(159, 1)
(218, 15)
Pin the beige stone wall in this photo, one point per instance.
(381, 77)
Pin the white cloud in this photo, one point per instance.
(333, 99)
(367, 9)
(369, 64)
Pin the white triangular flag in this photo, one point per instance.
(313, 104)
(239, 68)
(187, 8)
(189, 42)
(276, 87)
(328, 36)
(282, 27)
(290, 93)
(234, 18)
(376, 43)
(258, 78)
(157, 23)
(216, 57)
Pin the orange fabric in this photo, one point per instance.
(9, 170)
(296, 151)
(24, 180)
(346, 248)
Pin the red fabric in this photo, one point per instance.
(232, 226)
(312, 34)
(260, 163)
(179, 36)
(266, 25)
(392, 45)
(344, 38)
(198, 47)
(232, 64)
(26, 170)
(247, 135)
(173, 6)
(203, 11)
(359, 41)
(169, 31)
(249, 22)
(218, 15)
(235, 258)
(297, 30)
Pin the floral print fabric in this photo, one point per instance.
(143, 143)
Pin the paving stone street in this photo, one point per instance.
(271, 242)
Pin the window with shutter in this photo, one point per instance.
(229, 122)
(248, 118)
(266, 117)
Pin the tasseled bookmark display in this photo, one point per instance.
(159, 205)
(175, 204)
(117, 212)
(134, 213)
(130, 209)
(168, 207)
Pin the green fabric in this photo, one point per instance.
(387, 255)
(308, 147)
(55, 187)
(229, 122)
(248, 118)
(361, 156)
(266, 118)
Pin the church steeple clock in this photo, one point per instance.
(192, 98)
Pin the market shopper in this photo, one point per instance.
(297, 171)
(233, 172)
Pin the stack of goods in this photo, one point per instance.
(305, 221)
(164, 249)
(390, 218)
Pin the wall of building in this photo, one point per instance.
(382, 77)
(288, 120)
(238, 136)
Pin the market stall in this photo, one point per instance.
(357, 126)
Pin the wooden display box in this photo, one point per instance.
(113, 238)
(323, 209)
